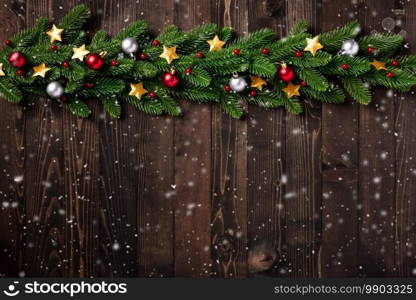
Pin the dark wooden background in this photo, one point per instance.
(329, 193)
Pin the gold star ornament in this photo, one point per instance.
(40, 70)
(169, 53)
(137, 90)
(215, 44)
(313, 45)
(292, 90)
(1, 70)
(257, 82)
(55, 34)
(379, 65)
(80, 53)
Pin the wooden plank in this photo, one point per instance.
(45, 254)
(265, 168)
(229, 169)
(338, 254)
(376, 173)
(193, 169)
(405, 209)
(303, 169)
(12, 126)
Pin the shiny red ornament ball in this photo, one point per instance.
(17, 59)
(170, 80)
(345, 66)
(390, 74)
(298, 53)
(236, 51)
(94, 61)
(155, 43)
(227, 88)
(20, 72)
(286, 74)
(152, 95)
(253, 93)
(199, 55)
(265, 51)
(394, 62)
(65, 64)
(54, 47)
(370, 50)
(8, 42)
(143, 56)
(89, 85)
(303, 83)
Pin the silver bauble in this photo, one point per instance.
(237, 83)
(129, 45)
(350, 47)
(54, 90)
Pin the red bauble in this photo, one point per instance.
(152, 95)
(54, 47)
(345, 66)
(286, 74)
(199, 55)
(17, 59)
(298, 53)
(390, 74)
(94, 61)
(8, 42)
(395, 63)
(65, 64)
(236, 51)
(227, 88)
(155, 43)
(170, 80)
(253, 93)
(265, 51)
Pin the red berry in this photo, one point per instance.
(143, 56)
(370, 50)
(89, 85)
(227, 88)
(20, 72)
(394, 62)
(155, 43)
(152, 95)
(65, 64)
(345, 67)
(390, 74)
(8, 42)
(64, 98)
(114, 63)
(54, 47)
(298, 53)
(303, 83)
(265, 51)
(199, 55)
(188, 71)
(253, 93)
(236, 51)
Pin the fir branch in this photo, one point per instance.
(78, 108)
(75, 19)
(262, 66)
(333, 40)
(300, 27)
(196, 95)
(386, 44)
(356, 66)
(150, 107)
(134, 30)
(231, 107)
(112, 106)
(9, 91)
(170, 106)
(402, 80)
(314, 79)
(332, 95)
(357, 89)
(307, 60)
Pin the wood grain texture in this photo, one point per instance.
(328, 193)
(338, 254)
